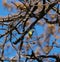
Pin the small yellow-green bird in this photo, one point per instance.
(30, 33)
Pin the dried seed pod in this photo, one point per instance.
(19, 5)
(47, 49)
(8, 6)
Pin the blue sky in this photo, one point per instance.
(40, 30)
(3, 11)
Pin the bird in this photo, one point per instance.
(30, 33)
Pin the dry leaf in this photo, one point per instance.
(47, 49)
(8, 6)
(19, 5)
(57, 37)
(46, 6)
(37, 52)
(52, 16)
(51, 25)
(40, 5)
